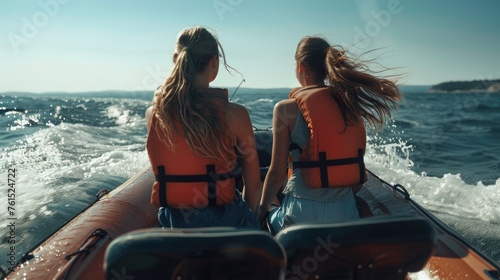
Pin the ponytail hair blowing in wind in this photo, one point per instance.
(179, 100)
(360, 94)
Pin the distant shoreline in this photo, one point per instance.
(486, 86)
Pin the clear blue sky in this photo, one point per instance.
(86, 45)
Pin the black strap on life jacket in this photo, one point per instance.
(210, 178)
(322, 163)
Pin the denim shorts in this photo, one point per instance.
(235, 214)
(294, 210)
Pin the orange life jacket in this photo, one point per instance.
(185, 179)
(333, 157)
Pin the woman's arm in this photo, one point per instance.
(249, 160)
(284, 117)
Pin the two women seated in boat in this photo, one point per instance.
(202, 148)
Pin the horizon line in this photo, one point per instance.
(152, 90)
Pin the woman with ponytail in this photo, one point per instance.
(200, 145)
(319, 133)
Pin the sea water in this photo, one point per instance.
(65, 147)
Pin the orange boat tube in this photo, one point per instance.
(76, 251)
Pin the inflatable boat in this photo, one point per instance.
(118, 237)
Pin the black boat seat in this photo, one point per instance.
(203, 253)
(371, 248)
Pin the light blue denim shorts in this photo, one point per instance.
(294, 210)
(235, 214)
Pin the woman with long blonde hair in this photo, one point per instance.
(200, 145)
(319, 133)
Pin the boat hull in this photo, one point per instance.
(453, 257)
(76, 251)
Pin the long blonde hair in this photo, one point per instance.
(178, 101)
(359, 94)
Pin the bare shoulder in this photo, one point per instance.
(237, 110)
(237, 115)
(286, 104)
(238, 120)
(286, 111)
(149, 111)
(149, 114)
